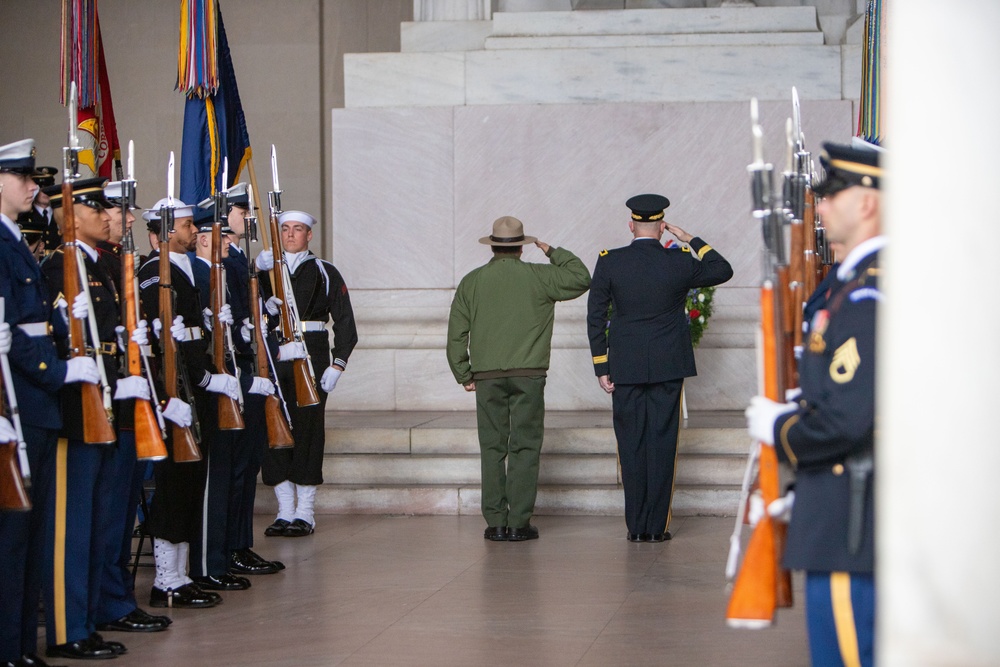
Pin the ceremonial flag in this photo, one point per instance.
(82, 55)
(214, 124)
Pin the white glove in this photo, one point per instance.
(206, 318)
(133, 386)
(781, 509)
(223, 383)
(6, 338)
(265, 260)
(226, 314)
(293, 350)
(179, 331)
(762, 414)
(82, 369)
(792, 395)
(272, 305)
(329, 379)
(246, 331)
(755, 509)
(120, 335)
(80, 308)
(262, 386)
(157, 326)
(61, 305)
(178, 412)
(7, 432)
(140, 335)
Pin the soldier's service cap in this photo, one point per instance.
(18, 157)
(648, 208)
(181, 210)
(297, 216)
(32, 224)
(238, 196)
(44, 176)
(204, 218)
(847, 166)
(85, 191)
(113, 193)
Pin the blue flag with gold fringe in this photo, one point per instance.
(214, 124)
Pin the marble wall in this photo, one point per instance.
(416, 187)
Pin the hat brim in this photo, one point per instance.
(528, 240)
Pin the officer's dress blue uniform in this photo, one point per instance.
(647, 353)
(85, 493)
(833, 427)
(38, 374)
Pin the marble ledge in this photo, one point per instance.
(631, 41)
(437, 36)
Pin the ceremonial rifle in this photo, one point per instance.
(185, 447)
(302, 371)
(97, 429)
(148, 422)
(230, 413)
(279, 433)
(760, 586)
(15, 475)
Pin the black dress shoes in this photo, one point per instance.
(30, 660)
(634, 537)
(496, 534)
(529, 532)
(116, 647)
(136, 621)
(188, 596)
(84, 649)
(298, 528)
(277, 529)
(223, 582)
(246, 561)
(660, 537)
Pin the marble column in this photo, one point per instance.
(938, 451)
(452, 10)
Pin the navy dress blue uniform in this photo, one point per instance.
(646, 350)
(84, 497)
(38, 375)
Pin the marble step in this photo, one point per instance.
(596, 500)
(632, 41)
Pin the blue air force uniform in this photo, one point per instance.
(645, 348)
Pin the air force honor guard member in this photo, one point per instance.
(828, 434)
(643, 354)
(26, 540)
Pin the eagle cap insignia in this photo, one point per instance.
(846, 361)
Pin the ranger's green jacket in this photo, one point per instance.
(502, 314)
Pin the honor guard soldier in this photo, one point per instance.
(86, 499)
(251, 442)
(828, 433)
(643, 352)
(26, 539)
(175, 515)
(320, 296)
(117, 609)
(34, 229)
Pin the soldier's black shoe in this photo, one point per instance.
(188, 596)
(634, 537)
(31, 660)
(84, 649)
(242, 563)
(496, 534)
(223, 582)
(277, 528)
(116, 647)
(529, 532)
(253, 555)
(136, 621)
(298, 528)
(660, 537)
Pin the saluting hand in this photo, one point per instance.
(544, 246)
(681, 235)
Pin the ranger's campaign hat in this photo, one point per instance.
(113, 193)
(181, 210)
(84, 190)
(507, 231)
(44, 176)
(647, 208)
(18, 157)
(297, 216)
(237, 196)
(847, 166)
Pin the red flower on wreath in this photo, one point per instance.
(695, 314)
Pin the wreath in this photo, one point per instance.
(698, 308)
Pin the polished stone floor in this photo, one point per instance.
(428, 590)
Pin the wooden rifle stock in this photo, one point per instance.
(13, 490)
(279, 434)
(184, 445)
(97, 429)
(305, 384)
(149, 444)
(230, 417)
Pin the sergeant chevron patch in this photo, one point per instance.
(845, 362)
